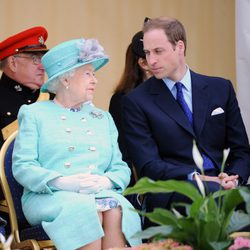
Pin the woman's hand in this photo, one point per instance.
(82, 183)
(69, 183)
(95, 183)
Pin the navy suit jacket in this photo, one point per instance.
(159, 137)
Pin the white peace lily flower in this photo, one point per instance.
(6, 243)
(2, 238)
(200, 184)
(225, 155)
(197, 157)
(199, 163)
(177, 214)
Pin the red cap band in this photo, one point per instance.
(30, 40)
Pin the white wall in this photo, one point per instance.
(243, 58)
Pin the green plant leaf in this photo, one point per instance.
(245, 193)
(176, 205)
(195, 208)
(238, 221)
(184, 231)
(210, 230)
(161, 216)
(213, 211)
(153, 232)
(222, 245)
(146, 185)
(232, 199)
(208, 220)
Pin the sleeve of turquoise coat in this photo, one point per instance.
(118, 170)
(26, 167)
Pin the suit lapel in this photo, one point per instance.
(200, 97)
(167, 103)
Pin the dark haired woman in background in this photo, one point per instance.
(135, 72)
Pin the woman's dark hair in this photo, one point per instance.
(132, 75)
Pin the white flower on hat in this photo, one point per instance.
(90, 49)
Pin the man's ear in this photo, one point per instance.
(12, 63)
(180, 44)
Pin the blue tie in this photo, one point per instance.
(207, 163)
(180, 99)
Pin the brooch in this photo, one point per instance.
(96, 114)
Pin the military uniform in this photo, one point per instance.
(12, 96)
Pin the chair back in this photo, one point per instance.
(15, 189)
(6, 168)
(20, 228)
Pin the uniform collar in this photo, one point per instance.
(11, 84)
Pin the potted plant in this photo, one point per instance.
(209, 219)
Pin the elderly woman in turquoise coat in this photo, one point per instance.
(67, 158)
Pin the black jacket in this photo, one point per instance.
(12, 96)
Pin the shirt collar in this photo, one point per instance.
(186, 81)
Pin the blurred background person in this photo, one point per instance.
(135, 72)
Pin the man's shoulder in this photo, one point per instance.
(144, 87)
(209, 78)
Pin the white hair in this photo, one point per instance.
(55, 84)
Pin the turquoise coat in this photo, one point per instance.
(52, 142)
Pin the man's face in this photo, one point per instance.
(29, 70)
(164, 58)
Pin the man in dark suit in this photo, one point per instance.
(160, 126)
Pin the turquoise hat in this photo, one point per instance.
(72, 54)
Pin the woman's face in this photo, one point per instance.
(82, 84)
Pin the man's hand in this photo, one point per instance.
(226, 181)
